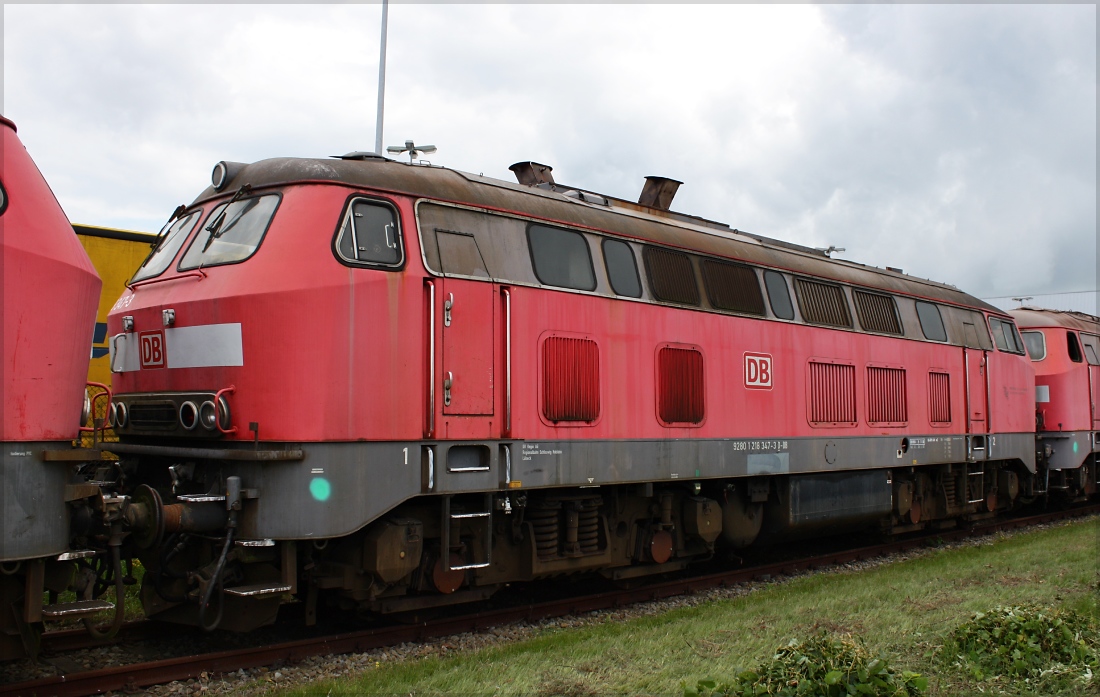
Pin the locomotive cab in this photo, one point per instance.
(1064, 347)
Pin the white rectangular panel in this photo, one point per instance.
(204, 346)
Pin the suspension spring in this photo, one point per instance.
(588, 531)
(546, 522)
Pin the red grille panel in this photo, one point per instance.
(939, 398)
(887, 402)
(832, 393)
(680, 385)
(570, 379)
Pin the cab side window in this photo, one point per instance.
(369, 235)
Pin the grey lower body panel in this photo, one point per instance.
(1069, 449)
(33, 519)
(338, 488)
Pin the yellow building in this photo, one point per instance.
(116, 255)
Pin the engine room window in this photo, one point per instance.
(822, 303)
(1036, 345)
(732, 287)
(671, 277)
(877, 313)
(931, 324)
(561, 258)
(232, 233)
(369, 235)
(622, 269)
(778, 294)
(166, 246)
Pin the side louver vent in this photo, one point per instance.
(877, 312)
(680, 398)
(887, 403)
(570, 379)
(671, 276)
(832, 394)
(822, 303)
(939, 397)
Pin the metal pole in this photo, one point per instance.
(381, 81)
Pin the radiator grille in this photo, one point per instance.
(671, 277)
(822, 303)
(886, 397)
(680, 385)
(570, 379)
(832, 393)
(939, 398)
(733, 287)
(158, 415)
(877, 312)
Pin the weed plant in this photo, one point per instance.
(1050, 650)
(821, 666)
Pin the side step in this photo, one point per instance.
(80, 607)
(258, 590)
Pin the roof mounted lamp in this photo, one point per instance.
(224, 172)
(412, 149)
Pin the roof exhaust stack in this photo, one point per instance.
(532, 173)
(658, 192)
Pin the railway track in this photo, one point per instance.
(132, 678)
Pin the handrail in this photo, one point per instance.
(217, 402)
(431, 358)
(507, 295)
(199, 273)
(106, 419)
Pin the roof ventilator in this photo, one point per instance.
(658, 192)
(532, 173)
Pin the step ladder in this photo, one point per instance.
(448, 517)
(975, 482)
(79, 608)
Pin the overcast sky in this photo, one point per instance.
(958, 143)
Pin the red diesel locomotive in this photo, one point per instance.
(1065, 351)
(389, 386)
(50, 292)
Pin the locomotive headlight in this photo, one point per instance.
(207, 415)
(86, 411)
(119, 415)
(189, 415)
(223, 173)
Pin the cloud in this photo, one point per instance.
(956, 142)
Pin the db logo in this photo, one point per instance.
(152, 349)
(758, 371)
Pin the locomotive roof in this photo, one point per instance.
(618, 216)
(1042, 317)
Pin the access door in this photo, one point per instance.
(1091, 345)
(467, 375)
(977, 406)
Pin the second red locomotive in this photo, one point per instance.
(392, 386)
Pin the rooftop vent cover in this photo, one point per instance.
(532, 173)
(658, 192)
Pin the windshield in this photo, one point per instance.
(232, 232)
(168, 243)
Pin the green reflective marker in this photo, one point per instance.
(320, 488)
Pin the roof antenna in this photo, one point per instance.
(381, 81)
(830, 249)
(412, 148)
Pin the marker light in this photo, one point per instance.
(207, 416)
(120, 414)
(86, 410)
(189, 415)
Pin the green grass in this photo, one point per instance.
(904, 609)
